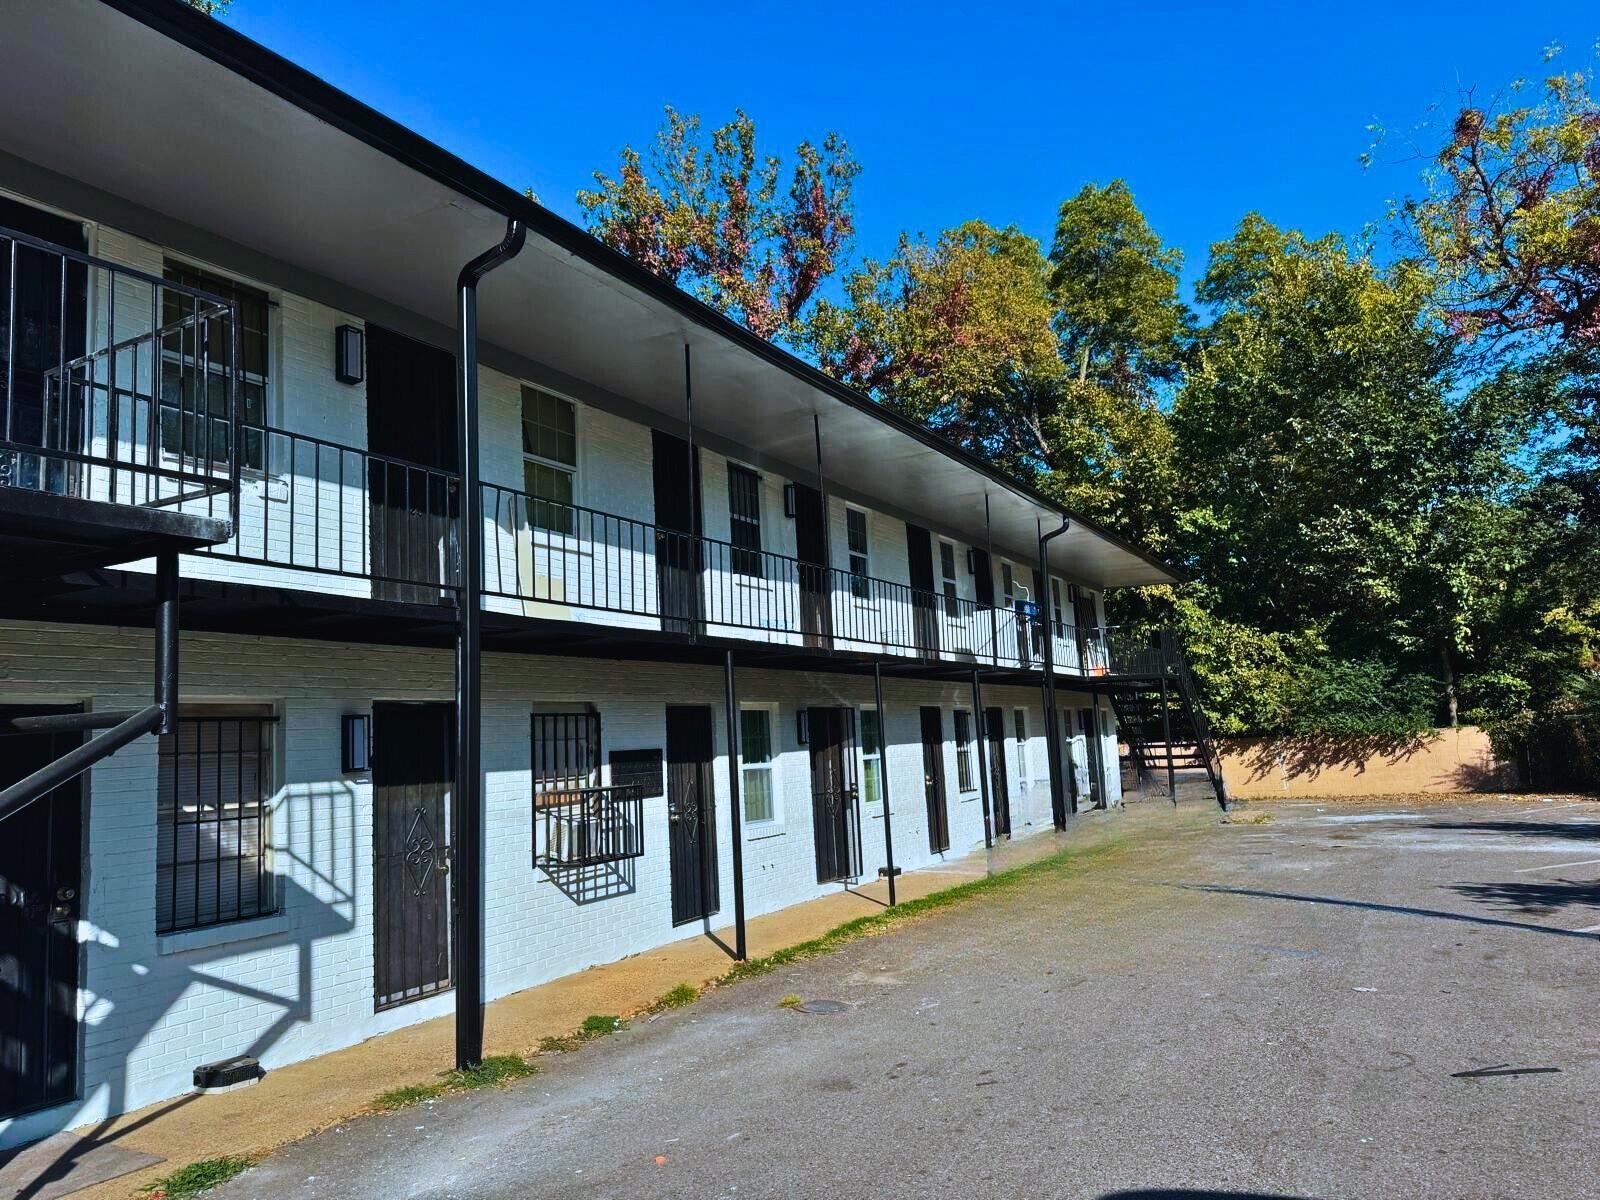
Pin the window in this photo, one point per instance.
(195, 421)
(947, 571)
(871, 757)
(549, 459)
(744, 520)
(855, 528)
(213, 814)
(1019, 720)
(566, 752)
(965, 779)
(1057, 613)
(755, 772)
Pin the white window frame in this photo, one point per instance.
(950, 585)
(770, 767)
(575, 469)
(1019, 730)
(861, 752)
(864, 575)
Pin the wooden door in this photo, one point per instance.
(41, 872)
(933, 780)
(691, 814)
(411, 437)
(834, 793)
(994, 727)
(811, 548)
(675, 474)
(413, 770)
(924, 600)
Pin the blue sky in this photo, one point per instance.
(955, 111)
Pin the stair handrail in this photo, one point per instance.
(1188, 688)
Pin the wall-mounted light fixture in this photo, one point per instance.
(972, 560)
(355, 743)
(802, 726)
(349, 359)
(791, 500)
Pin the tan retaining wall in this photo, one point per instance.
(1446, 760)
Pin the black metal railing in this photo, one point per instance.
(587, 826)
(119, 386)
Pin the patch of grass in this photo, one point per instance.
(599, 1025)
(495, 1071)
(198, 1177)
(909, 910)
(1247, 818)
(791, 1001)
(678, 997)
(564, 1044)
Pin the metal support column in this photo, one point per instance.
(1166, 738)
(980, 732)
(883, 778)
(1052, 723)
(167, 641)
(466, 796)
(735, 808)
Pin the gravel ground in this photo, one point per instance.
(1294, 1008)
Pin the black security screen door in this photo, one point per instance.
(691, 814)
(933, 780)
(811, 548)
(675, 473)
(40, 881)
(411, 435)
(994, 725)
(834, 795)
(413, 763)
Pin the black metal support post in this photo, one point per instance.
(735, 806)
(1166, 738)
(980, 730)
(466, 797)
(883, 778)
(167, 640)
(1052, 723)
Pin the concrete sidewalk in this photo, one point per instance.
(297, 1100)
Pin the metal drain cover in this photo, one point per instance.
(823, 1006)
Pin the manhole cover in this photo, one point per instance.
(823, 1006)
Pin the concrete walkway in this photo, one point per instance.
(294, 1101)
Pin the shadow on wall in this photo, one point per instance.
(134, 996)
(1443, 760)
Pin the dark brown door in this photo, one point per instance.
(834, 794)
(933, 780)
(924, 601)
(411, 438)
(675, 472)
(691, 814)
(41, 864)
(811, 548)
(413, 768)
(995, 729)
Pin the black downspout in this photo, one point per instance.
(1052, 725)
(889, 870)
(980, 728)
(466, 797)
(735, 807)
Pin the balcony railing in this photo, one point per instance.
(119, 386)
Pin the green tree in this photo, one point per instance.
(715, 217)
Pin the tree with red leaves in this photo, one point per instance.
(715, 218)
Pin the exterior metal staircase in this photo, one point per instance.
(1159, 714)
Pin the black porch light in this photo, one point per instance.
(348, 360)
(355, 743)
(802, 726)
(791, 500)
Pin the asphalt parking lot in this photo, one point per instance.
(1341, 1001)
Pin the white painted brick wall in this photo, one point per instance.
(304, 986)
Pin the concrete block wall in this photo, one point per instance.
(299, 983)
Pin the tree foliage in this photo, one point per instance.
(714, 216)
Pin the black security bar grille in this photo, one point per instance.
(587, 826)
(213, 853)
(118, 385)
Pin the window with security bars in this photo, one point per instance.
(214, 816)
(967, 781)
(566, 751)
(744, 520)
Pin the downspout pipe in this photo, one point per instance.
(1058, 792)
(466, 797)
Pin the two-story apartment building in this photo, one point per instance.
(746, 637)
